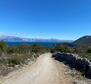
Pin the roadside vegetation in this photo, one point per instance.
(16, 56)
(64, 48)
(83, 51)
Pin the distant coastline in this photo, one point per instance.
(45, 44)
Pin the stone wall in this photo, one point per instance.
(74, 61)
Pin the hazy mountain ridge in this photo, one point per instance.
(19, 39)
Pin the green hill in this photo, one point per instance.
(83, 41)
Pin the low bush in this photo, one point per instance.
(18, 55)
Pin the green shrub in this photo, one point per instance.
(3, 47)
(63, 48)
(89, 51)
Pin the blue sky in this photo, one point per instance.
(63, 19)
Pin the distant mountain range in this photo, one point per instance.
(19, 39)
(85, 40)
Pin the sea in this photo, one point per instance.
(45, 44)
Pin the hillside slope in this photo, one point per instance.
(85, 40)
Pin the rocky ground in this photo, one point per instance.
(77, 76)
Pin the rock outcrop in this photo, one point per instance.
(74, 61)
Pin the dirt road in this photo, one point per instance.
(46, 70)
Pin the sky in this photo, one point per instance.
(61, 19)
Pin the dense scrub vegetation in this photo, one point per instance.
(10, 57)
(64, 48)
(82, 50)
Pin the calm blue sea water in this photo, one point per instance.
(46, 44)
